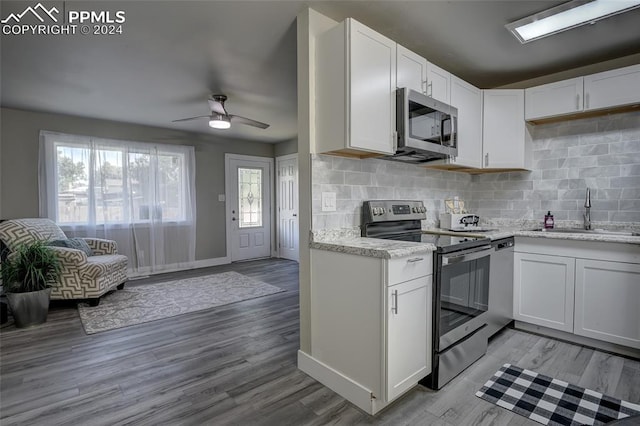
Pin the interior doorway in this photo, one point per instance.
(287, 206)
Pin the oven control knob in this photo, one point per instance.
(423, 209)
(414, 209)
(382, 210)
(376, 211)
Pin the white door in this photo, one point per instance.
(411, 70)
(503, 130)
(287, 201)
(543, 290)
(248, 190)
(607, 299)
(438, 83)
(408, 337)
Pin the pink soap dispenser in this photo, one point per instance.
(548, 220)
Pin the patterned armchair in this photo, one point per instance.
(82, 277)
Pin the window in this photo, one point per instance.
(96, 181)
(250, 200)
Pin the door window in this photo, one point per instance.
(250, 197)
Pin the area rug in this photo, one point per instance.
(550, 401)
(150, 302)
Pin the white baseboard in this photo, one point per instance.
(175, 267)
(339, 383)
(580, 340)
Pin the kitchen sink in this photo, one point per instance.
(588, 231)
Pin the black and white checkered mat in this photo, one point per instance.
(550, 401)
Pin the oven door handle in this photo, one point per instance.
(476, 254)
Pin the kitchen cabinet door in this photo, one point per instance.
(607, 300)
(543, 290)
(612, 88)
(411, 70)
(468, 100)
(408, 334)
(504, 135)
(438, 83)
(554, 99)
(355, 91)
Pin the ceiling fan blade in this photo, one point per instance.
(248, 121)
(191, 118)
(217, 107)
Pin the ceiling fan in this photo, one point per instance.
(220, 119)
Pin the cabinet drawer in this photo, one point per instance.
(403, 269)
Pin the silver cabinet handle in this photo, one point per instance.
(424, 87)
(486, 160)
(577, 102)
(586, 100)
(395, 141)
(415, 259)
(430, 86)
(394, 306)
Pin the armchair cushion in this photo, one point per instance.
(100, 246)
(74, 243)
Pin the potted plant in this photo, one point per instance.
(27, 276)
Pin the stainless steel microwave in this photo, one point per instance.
(427, 128)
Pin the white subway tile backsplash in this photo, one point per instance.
(625, 182)
(601, 153)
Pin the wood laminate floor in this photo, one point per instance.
(236, 364)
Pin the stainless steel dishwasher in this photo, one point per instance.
(500, 312)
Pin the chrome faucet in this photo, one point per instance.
(587, 208)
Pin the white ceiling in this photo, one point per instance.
(174, 54)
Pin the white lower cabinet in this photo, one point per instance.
(608, 301)
(589, 289)
(370, 325)
(543, 290)
(408, 351)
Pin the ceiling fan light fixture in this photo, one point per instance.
(566, 16)
(219, 121)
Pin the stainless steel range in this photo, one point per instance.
(461, 284)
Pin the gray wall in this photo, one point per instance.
(19, 165)
(285, 148)
(602, 153)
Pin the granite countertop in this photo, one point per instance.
(348, 241)
(505, 232)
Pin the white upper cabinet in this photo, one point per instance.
(601, 91)
(411, 70)
(548, 100)
(355, 91)
(612, 88)
(468, 100)
(505, 140)
(438, 83)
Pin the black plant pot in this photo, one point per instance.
(29, 309)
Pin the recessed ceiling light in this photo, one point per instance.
(567, 16)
